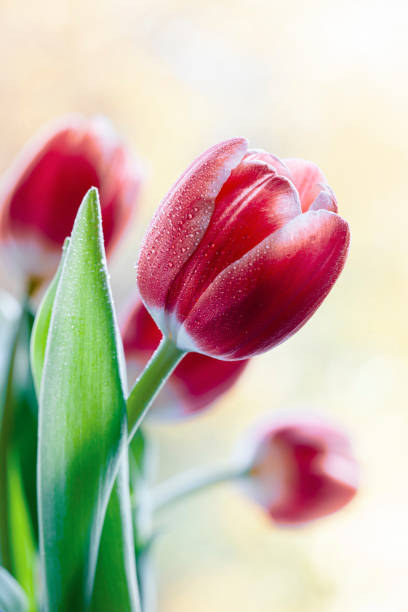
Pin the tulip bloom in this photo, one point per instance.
(195, 383)
(241, 252)
(300, 470)
(41, 193)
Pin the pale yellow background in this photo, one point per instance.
(321, 80)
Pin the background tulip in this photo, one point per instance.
(195, 383)
(241, 252)
(42, 191)
(300, 470)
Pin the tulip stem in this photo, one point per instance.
(183, 486)
(147, 386)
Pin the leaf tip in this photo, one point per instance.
(91, 202)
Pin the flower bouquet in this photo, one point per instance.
(239, 255)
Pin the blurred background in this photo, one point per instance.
(326, 81)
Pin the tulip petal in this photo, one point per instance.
(325, 200)
(139, 331)
(41, 192)
(323, 473)
(253, 203)
(182, 220)
(262, 299)
(301, 469)
(307, 178)
(200, 380)
(272, 160)
(58, 174)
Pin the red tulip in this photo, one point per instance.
(41, 193)
(301, 470)
(241, 252)
(195, 383)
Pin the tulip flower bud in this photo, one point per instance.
(300, 470)
(42, 191)
(195, 383)
(241, 252)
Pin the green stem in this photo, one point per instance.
(185, 485)
(5, 434)
(147, 386)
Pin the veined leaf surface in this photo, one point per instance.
(82, 417)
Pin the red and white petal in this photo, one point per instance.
(252, 204)
(41, 192)
(302, 469)
(307, 178)
(266, 296)
(140, 334)
(322, 476)
(326, 200)
(182, 219)
(272, 160)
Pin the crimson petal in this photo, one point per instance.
(262, 299)
(307, 178)
(251, 205)
(182, 219)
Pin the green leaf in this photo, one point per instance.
(18, 443)
(116, 578)
(18, 423)
(42, 323)
(12, 596)
(82, 417)
(8, 403)
(21, 533)
(25, 420)
(140, 461)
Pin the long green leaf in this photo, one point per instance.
(116, 578)
(18, 444)
(140, 475)
(25, 420)
(42, 323)
(8, 403)
(82, 417)
(18, 441)
(12, 596)
(21, 532)
(115, 581)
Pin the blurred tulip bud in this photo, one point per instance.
(300, 470)
(195, 383)
(241, 252)
(42, 191)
